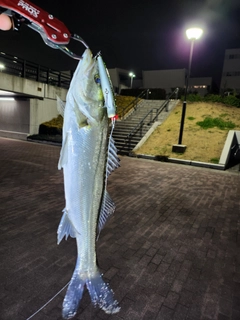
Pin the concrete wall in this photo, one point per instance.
(21, 85)
(46, 109)
(51, 92)
(30, 88)
(41, 111)
(25, 116)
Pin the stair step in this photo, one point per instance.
(124, 127)
(123, 141)
(124, 136)
(128, 130)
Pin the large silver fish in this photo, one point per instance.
(87, 157)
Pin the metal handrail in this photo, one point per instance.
(175, 92)
(141, 123)
(134, 103)
(22, 68)
(158, 111)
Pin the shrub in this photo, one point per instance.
(52, 127)
(192, 97)
(55, 122)
(213, 98)
(232, 101)
(228, 100)
(209, 122)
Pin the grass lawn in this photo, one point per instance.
(204, 143)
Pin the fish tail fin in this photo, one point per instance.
(73, 296)
(101, 294)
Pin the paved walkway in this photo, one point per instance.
(171, 250)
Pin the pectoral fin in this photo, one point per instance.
(63, 154)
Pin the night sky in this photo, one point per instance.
(137, 35)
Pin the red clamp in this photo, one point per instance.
(54, 29)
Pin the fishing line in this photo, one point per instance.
(48, 301)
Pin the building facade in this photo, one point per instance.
(231, 71)
(200, 85)
(163, 79)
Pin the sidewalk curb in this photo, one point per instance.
(180, 161)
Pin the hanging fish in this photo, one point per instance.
(88, 156)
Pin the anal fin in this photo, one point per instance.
(65, 228)
(107, 209)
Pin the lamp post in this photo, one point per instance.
(192, 34)
(131, 75)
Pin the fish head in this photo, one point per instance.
(85, 92)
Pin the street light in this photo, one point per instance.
(192, 34)
(2, 66)
(131, 75)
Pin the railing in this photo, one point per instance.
(133, 104)
(148, 119)
(21, 68)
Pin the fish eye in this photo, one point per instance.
(97, 79)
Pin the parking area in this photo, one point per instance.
(170, 251)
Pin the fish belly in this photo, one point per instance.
(83, 183)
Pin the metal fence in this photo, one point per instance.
(22, 68)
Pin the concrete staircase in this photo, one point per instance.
(123, 128)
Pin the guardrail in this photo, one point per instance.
(22, 68)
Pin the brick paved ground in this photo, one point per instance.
(171, 250)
